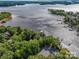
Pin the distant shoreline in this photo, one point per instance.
(14, 3)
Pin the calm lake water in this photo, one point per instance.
(38, 18)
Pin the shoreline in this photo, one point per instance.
(5, 20)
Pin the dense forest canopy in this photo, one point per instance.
(17, 43)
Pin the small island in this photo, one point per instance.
(5, 16)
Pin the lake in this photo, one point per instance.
(38, 18)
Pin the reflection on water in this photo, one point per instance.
(38, 18)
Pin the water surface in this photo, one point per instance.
(38, 18)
